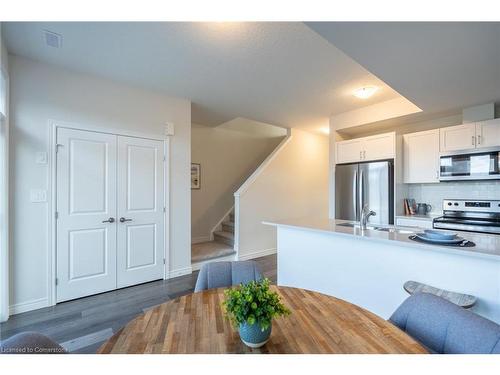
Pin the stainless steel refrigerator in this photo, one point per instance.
(360, 184)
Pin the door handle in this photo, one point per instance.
(110, 220)
(122, 220)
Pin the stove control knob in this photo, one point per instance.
(456, 204)
(449, 203)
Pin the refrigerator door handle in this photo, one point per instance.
(360, 190)
(354, 193)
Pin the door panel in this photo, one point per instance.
(421, 157)
(378, 147)
(376, 187)
(86, 196)
(348, 151)
(488, 133)
(141, 237)
(346, 193)
(460, 137)
(140, 203)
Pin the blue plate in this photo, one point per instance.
(439, 235)
(423, 236)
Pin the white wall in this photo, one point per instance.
(293, 184)
(4, 194)
(228, 155)
(40, 92)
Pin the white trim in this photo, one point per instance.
(166, 202)
(201, 239)
(180, 272)
(5, 202)
(52, 201)
(249, 181)
(258, 254)
(101, 129)
(34, 304)
(218, 226)
(197, 266)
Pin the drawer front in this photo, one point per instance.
(404, 222)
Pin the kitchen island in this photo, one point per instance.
(369, 267)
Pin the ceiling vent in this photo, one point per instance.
(52, 39)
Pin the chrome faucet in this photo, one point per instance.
(365, 214)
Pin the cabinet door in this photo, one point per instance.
(421, 157)
(379, 147)
(460, 137)
(349, 151)
(488, 133)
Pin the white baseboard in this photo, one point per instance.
(257, 254)
(197, 266)
(180, 272)
(201, 239)
(34, 304)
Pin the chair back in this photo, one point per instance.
(446, 328)
(225, 274)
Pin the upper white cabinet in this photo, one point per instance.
(349, 151)
(488, 133)
(421, 157)
(375, 147)
(460, 137)
(379, 147)
(477, 135)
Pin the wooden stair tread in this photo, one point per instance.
(224, 234)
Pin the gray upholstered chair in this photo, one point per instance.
(30, 343)
(446, 328)
(224, 274)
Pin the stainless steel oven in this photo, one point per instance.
(477, 166)
(482, 216)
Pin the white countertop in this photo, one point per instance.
(428, 217)
(487, 245)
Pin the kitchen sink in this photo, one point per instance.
(381, 229)
(394, 230)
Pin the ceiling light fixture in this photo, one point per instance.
(365, 92)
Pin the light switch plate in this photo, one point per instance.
(41, 158)
(169, 128)
(38, 195)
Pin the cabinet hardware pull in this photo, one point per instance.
(473, 140)
(110, 220)
(479, 139)
(122, 220)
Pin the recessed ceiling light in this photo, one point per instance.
(365, 92)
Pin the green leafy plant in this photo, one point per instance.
(253, 303)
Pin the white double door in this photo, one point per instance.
(110, 212)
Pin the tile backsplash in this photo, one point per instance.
(434, 194)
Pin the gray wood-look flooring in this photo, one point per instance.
(82, 325)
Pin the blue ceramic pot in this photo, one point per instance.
(253, 336)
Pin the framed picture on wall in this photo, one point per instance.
(195, 176)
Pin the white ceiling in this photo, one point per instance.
(440, 67)
(279, 73)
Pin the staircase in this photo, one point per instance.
(221, 248)
(226, 235)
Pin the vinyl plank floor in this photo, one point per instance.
(84, 324)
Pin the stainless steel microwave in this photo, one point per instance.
(477, 166)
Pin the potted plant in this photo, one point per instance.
(251, 308)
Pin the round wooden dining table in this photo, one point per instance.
(318, 323)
